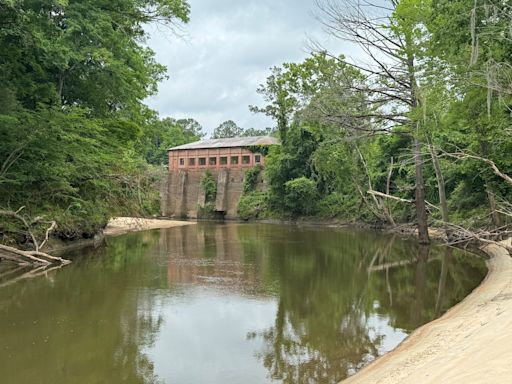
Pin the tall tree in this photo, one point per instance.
(392, 37)
(227, 129)
(73, 77)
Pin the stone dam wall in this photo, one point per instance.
(182, 194)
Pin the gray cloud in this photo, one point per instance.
(226, 53)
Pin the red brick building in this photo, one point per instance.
(237, 153)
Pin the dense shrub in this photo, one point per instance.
(209, 186)
(301, 195)
(252, 205)
(251, 178)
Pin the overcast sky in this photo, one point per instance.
(226, 52)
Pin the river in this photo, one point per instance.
(227, 303)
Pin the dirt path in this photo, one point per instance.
(471, 343)
(121, 225)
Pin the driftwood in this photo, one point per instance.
(35, 257)
(29, 257)
(463, 236)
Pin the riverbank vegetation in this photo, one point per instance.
(77, 143)
(416, 130)
(419, 131)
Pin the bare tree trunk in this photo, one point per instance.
(489, 190)
(442, 191)
(496, 219)
(419, 202)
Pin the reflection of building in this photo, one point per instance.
(226, 159)
(208, 256)
(236, 152)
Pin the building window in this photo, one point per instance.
(212, 161)
(257, 158)
(246, 159)
(234, 160)
(223, 160)
(182, 162)
(202, 161)
(192, 161)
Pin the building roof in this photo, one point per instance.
(229, 142)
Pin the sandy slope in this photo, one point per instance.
(121, 225)
(471, 343)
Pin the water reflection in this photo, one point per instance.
(226, 304)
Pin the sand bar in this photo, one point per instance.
(471, 343)
(121, 225)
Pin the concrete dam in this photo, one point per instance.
(182, 193)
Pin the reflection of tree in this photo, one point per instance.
(327, 295)
(87, 324)
(321, 331)
(330, 286)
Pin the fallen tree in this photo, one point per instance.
(30, 257)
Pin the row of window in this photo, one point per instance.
(223, 160)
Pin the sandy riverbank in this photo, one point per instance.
(471, 343)
(121, 225)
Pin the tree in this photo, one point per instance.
(291, 87)
(227, 129)
(392, 37)
(73, 77)
(257, 132)
(160, 135)
(478, 67)
(191, 127)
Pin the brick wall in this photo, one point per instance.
(213, 158)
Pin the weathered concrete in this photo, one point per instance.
(182, 193)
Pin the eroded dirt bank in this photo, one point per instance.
(121, 225)
(471, 343)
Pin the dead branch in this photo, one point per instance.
(17, 216)
(492, 164)
(408, 201)
(461, 235)
(29, 257)
(53, 225)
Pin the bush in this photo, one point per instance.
(209, 186)
(252, 205)
(301, 195)
(250, 179)
(333, 205)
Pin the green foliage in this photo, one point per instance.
(227, 129)
(253, 205)
(251, 178)
(74, 132)
(160, 135)
(336, 205)
(209, 185)
(301, 195)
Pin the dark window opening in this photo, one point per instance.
(192, 161)
(246, 159)
(234, 160)
(202, 161)
(182, 161)
(212, 161)
(223, 160)
(257, 158)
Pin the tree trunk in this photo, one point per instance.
(489, 190)
(419, 202)
(442, 192)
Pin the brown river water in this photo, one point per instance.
(226, 303)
